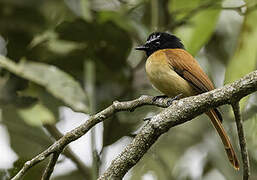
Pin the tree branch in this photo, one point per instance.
(50, 166)
(56, 134)
(181, 111)
(242, 140)
(190, 14)
(204, 6)
(76, 133)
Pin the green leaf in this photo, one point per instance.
(183, 6)
(245, 57)
(200, 32)
(108, 49)
(37, 115)
(58, 83)
(199, 28)
(86, 11)
(127, 121)
(111, 135)
(26, 141)
(18, 24)
(10, 88)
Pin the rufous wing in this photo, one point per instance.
(188, 68)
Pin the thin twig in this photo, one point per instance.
(89, 83)
(242, 140)
(233, 7)
(204, 6)
(56, 134)
(50, 166)
(238, 9)
(190, 14)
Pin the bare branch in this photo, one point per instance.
(180, 112)
(242, 140)
(76, 133)
(209, 5)
(50, 167)
(68, 152)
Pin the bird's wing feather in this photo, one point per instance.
(182, 62)
(188, 68)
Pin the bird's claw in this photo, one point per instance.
(147, 119)
(155, 98)
(169, 102)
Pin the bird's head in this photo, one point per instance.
(160, 40)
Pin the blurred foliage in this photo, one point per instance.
(26, 140)
(47, 44)
(246, 52)
(200, 19)
(58, 83)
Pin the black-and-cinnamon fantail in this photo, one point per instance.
(173, 71)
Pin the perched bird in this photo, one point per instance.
(173, 71)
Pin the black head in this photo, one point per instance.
(160, 40)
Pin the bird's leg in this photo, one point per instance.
(169, 102)
(147, 119)
(155, 98)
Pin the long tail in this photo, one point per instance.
(225, 139)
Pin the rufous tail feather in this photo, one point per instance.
(225, 139)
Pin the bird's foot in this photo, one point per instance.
(155, 98)
(169, 102)
(147, 119)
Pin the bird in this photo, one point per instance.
(174, 71)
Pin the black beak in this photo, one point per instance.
(141, 48)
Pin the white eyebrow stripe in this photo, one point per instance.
(154, 38)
